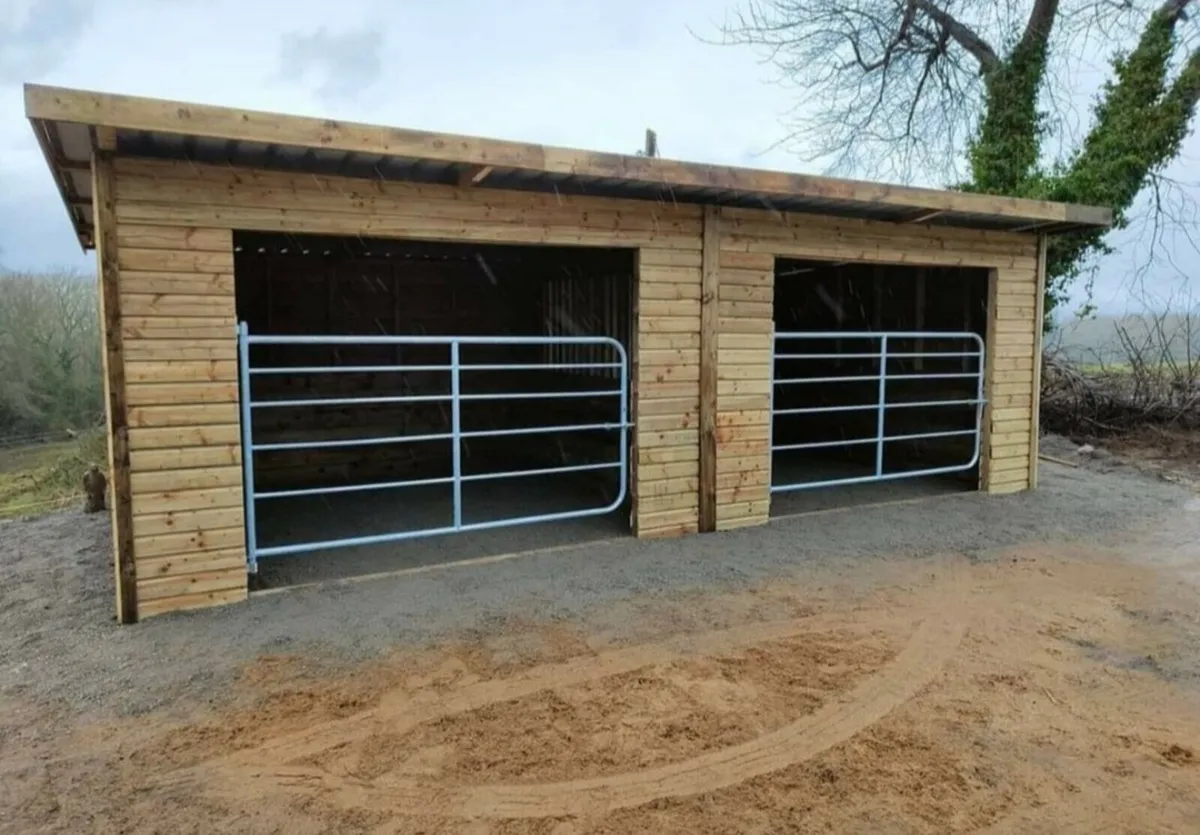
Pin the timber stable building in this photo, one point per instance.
(323, 338)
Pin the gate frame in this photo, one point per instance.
(456, 435)
(880, 438)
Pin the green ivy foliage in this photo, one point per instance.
(1140, 119)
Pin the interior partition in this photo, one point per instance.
(520, 406)
(865, 352)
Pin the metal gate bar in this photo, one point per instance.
(882, 376)
(455, 368)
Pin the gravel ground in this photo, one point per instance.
(60, 648)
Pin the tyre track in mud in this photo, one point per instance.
(263, 770)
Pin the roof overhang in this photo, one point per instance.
(71, 124)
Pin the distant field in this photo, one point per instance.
(1096, 342)
(35, 479)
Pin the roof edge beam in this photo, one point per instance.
(156, 115)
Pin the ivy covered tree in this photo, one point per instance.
(984, 93)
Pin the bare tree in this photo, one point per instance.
(50, 376)
(986, 93)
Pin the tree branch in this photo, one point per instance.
(963, 35)
(1041, 21)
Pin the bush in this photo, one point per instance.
(50, 366)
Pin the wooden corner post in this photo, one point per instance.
(989, 382)
(114, 382)
(1039, 331)
(710, 281)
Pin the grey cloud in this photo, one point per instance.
(344, 65)
(35, 44)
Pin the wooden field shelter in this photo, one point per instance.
(700, 339)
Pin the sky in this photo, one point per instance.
(581, 73)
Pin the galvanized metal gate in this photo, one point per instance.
(881, 363)
(602, 359)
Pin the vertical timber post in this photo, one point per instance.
(709, 287)
(104, 214)
(989, 380)
(1038, 334)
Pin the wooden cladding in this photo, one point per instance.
(701, 352)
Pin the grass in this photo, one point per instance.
(42, 478)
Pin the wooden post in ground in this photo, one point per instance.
(709, 284)
(114, 379)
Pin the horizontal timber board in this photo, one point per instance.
(748, 310)
(679, 469)
(650, 391)
(178, 328)
(158, 588)
(186, 458)
(179, 305)
(667, 423)
(188, 521)
(189, 415)
(815, 228)
(743, 402)
(669, 307)
(744, 341)
(729, 260)
(744, 417)
(166, 502)
(729, 436)
(192, 478)
(736, 217)
(655, 257)
(649, 407)
(743, 386)
(1004, 427)
(665, 455)
(173, 237)
(182, 437)
(760, 294)
(648, 291)
(174, 260)
(682, 437)
(745, 325)
(668, 373)
(192, 175)
(163, 394)
(150, 608)
(653, 521)
(182, 371)
(656, 340)
(652, 275)
(641, 222)
(750, 280)
(666, 487)
(188, 542)
(743, 493)
(737, 510)
(678, 501)
(743, 478)
(410, 227)
(1007, 464)
(743, 464)
(653, 357)
(192, 284)
(190, 563)
(152, 350)
(669, 324)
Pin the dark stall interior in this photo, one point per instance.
(838, 299)
(308, 285)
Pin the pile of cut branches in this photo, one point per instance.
(1156, 384)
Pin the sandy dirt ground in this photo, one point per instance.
(1047, 688)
